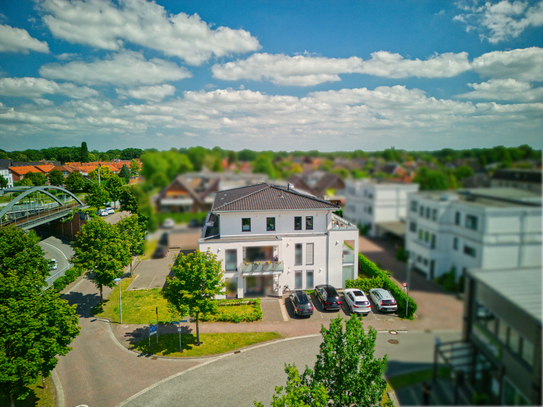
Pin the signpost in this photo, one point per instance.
(407, 300)
(153, 329)
(179, 331)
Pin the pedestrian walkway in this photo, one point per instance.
(272, 310)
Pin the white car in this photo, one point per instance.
(52, 264)
(383, 299)
(110, 211)
(102, 212)
(357, 301)
(168, 223)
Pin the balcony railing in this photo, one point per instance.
(261, 266)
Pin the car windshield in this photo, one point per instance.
(302, 298)
(331, 291)
(358, 293)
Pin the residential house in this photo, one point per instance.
(378, 205)
(66, 169)
(321, 184)
(19, 172)
(4, 172)
(270, 237)
(484, 229)
(529, 180)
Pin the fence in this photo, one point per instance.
(51, 279)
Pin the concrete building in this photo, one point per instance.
(7, 175)
(269, 237)
(529, 180)
(379, 205)
(473, 229)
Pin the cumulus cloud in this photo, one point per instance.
(123, 69)
(504, 89)
(106, 25)
(500, 21)
(305, 70)
(152, 93)
(522, 64)
(18, 40)
(36, 87)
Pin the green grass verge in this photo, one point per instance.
(38, 397)
(212, 344)
(150, 247)
(410, 379)
(181, 217)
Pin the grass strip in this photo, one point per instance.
(212, 344)
(38, 397)
(412, 378)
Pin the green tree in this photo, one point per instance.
(84, 153)
(105, 174)
(102, 252)
(128, 201)
(346, 368)
(431, 180)
(232, 157)
(37, 178)
(462, 172)
(114, 187)
(37, 326)
(3, 182)
(125, 174)
(133, 232)
(56, 178)
(134, 167)
(263, 165)
(97, 196)
(75, 182)
(197, 280)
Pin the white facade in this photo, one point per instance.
(258, 261)
(7, 175)
(369, 202)
(469, 231)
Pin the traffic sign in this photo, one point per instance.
(183, 320)
(153, 329)
(405, 284)
(178, 329)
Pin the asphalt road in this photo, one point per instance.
(239, 379)
(54, 248)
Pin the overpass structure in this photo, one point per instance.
(35, 206)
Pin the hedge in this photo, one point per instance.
(380, 279)
(69, 277)
(255, 314)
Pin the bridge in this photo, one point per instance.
(35, 206)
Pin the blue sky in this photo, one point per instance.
(279, 75)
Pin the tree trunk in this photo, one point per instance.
(43, 381)
(101, 296)
(197, 330)
(11, 401)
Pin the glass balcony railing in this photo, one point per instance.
(348, 258)
(261, 266)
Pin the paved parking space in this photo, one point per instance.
(152, 273)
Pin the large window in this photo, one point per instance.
(231, 260)
(470, 251)
(527, 351)
(421, 211)
(455, 243)
(413, 227)
(514, 341)
(426, 236)
(270, 224)
(298, 254)
(246, 224)
(421, 232)
(297, 223)
(502, 331)
(433, 242)
(309, 282)
(434, 214)
(309, 222)
(298, 280)
(414, 205)
(427, 213)
(309, 256)
(471, 222)
(457, 218)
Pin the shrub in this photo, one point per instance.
(253, 314)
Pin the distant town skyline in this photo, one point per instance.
(271, 75)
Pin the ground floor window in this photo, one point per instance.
(231, 287)
(309, 282)
(298, 280)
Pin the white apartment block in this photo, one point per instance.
(379, 204)
(8, 176)
(269, 237)
(485, 229)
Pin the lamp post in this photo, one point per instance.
(118, 281)
(409, 265)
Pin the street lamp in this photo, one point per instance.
(118, 281)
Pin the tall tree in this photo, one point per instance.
(75, 182)
(84, 153)
(114, 187)
(134, 167)
(3, 182)
(97, 196)
(128, 201)
(56, 178)
(37, 326)
(105, 174)
(125, 174)
(197, 280)
(132, 229)
(103, 252)
(346, 369)
(37, 178)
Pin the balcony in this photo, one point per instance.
(341, 224)
(262, 267)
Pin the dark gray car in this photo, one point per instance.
(328, 297)
(301, 303)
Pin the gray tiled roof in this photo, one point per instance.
(262, 197)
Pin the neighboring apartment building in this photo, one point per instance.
(7, 175)
(529, 180)
(269, 237)
(473, 229)
(500, 352)
(379, 205)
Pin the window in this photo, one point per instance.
(457, 218)
(414, 206)
(421, 211)
(309, 223)
(270, 224)
(297, 223)
(426, 236)
(413, 227)
(471, 222)
(427, 213)
(231, 260)
(514, 341)
(527, 351)
(309, 260)
(502, 331)
(425, 261)
(419, 259)
(434, 215)
(298, 279)
(470, 251)
(455, 243)
(298, 254)
(420, 234)
(433, 242)
(246, 224)
(309, 282)
(370, 209)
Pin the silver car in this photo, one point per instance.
(357, 301)
(383, 299)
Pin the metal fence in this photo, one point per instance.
(51, 279)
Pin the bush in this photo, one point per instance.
(380, 279)
(253, 314)
(69, 277)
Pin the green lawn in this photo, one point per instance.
(38, 397)
(410, 379)
(212, 344)
(150, 247)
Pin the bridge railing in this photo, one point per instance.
(40, 215)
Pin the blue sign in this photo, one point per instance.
(183, 320)
(153, 329)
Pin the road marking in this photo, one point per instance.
(56, 248)
(283, 309)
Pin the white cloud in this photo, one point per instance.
(305, 70)
(106, 25)
(18, 40)
(522, 64)
(504, 89)
(501, 21)
(66, 56)
(124, 69)
(36, 87)
(152, 93)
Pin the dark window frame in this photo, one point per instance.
(297, 226)
(268, 228)
(244, 223)
(308, 221)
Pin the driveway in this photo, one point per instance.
(152, 273)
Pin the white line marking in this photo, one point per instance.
(283, 309)
(56, 248)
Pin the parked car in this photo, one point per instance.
(195, 223)
(301, 303)
(383, 299)
(102, 212)
(53, 264)
(160, 252)
(357, 301)
(168, 223)
(110, 211)
(329, 297)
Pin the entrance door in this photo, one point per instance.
(348, 272)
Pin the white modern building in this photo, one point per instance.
(379, 205)
(269, 237)
(489, 228)
(7, 175)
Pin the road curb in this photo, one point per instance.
(59, 391)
